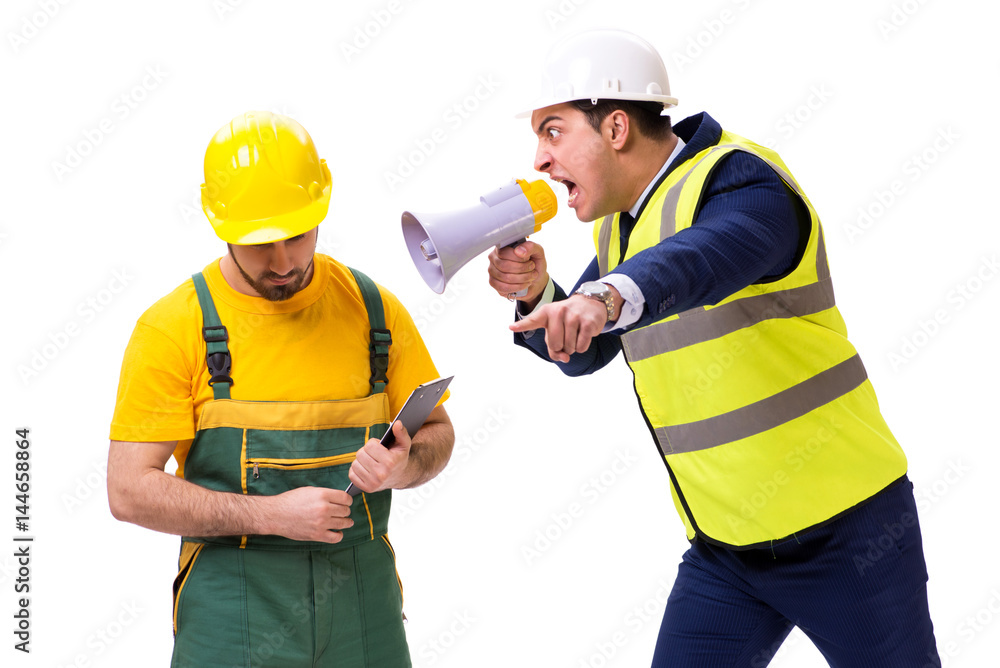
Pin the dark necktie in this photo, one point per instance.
(625, 224)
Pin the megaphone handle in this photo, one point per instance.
(522, 293)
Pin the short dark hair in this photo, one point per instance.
(646, 115)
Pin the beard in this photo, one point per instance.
(269, 291)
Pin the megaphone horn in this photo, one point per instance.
(442, 243)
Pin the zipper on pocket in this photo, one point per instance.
(298, 464)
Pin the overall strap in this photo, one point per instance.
(380, 337)
(217, 357)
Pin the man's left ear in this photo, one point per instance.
(618, 127)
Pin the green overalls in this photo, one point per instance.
(268, 600)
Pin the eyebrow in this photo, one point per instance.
(541, 126)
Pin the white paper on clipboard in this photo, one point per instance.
(413, 414)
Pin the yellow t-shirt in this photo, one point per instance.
(311, 347)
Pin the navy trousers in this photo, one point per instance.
(857, 587)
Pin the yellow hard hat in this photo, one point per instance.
(264, 180)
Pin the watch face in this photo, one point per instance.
(595, 288)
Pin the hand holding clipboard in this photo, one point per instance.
(413, 414)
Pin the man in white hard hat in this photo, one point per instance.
(711, 274)
(269, 377)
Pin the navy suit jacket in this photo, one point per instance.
(750, 228)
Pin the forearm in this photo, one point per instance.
(139, 491)
(163, 502)
(430, 451)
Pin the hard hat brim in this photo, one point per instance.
(667, 101)
(275, 228)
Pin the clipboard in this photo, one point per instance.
(413, 414)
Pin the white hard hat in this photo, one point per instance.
(603, 65)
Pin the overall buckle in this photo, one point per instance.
(381, 339)
(220, 362)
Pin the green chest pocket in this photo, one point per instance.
(277, 461)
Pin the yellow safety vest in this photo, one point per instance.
(759, 404)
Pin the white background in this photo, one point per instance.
(849, 92)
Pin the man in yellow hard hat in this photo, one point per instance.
(711, 275)
(269, 376)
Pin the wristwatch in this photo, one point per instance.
(599, 291)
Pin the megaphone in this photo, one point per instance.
(441, 243)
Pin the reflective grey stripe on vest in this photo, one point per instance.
(604, 243)
(668, 215)
(822, 266)
(765, 414)
(697, 325)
